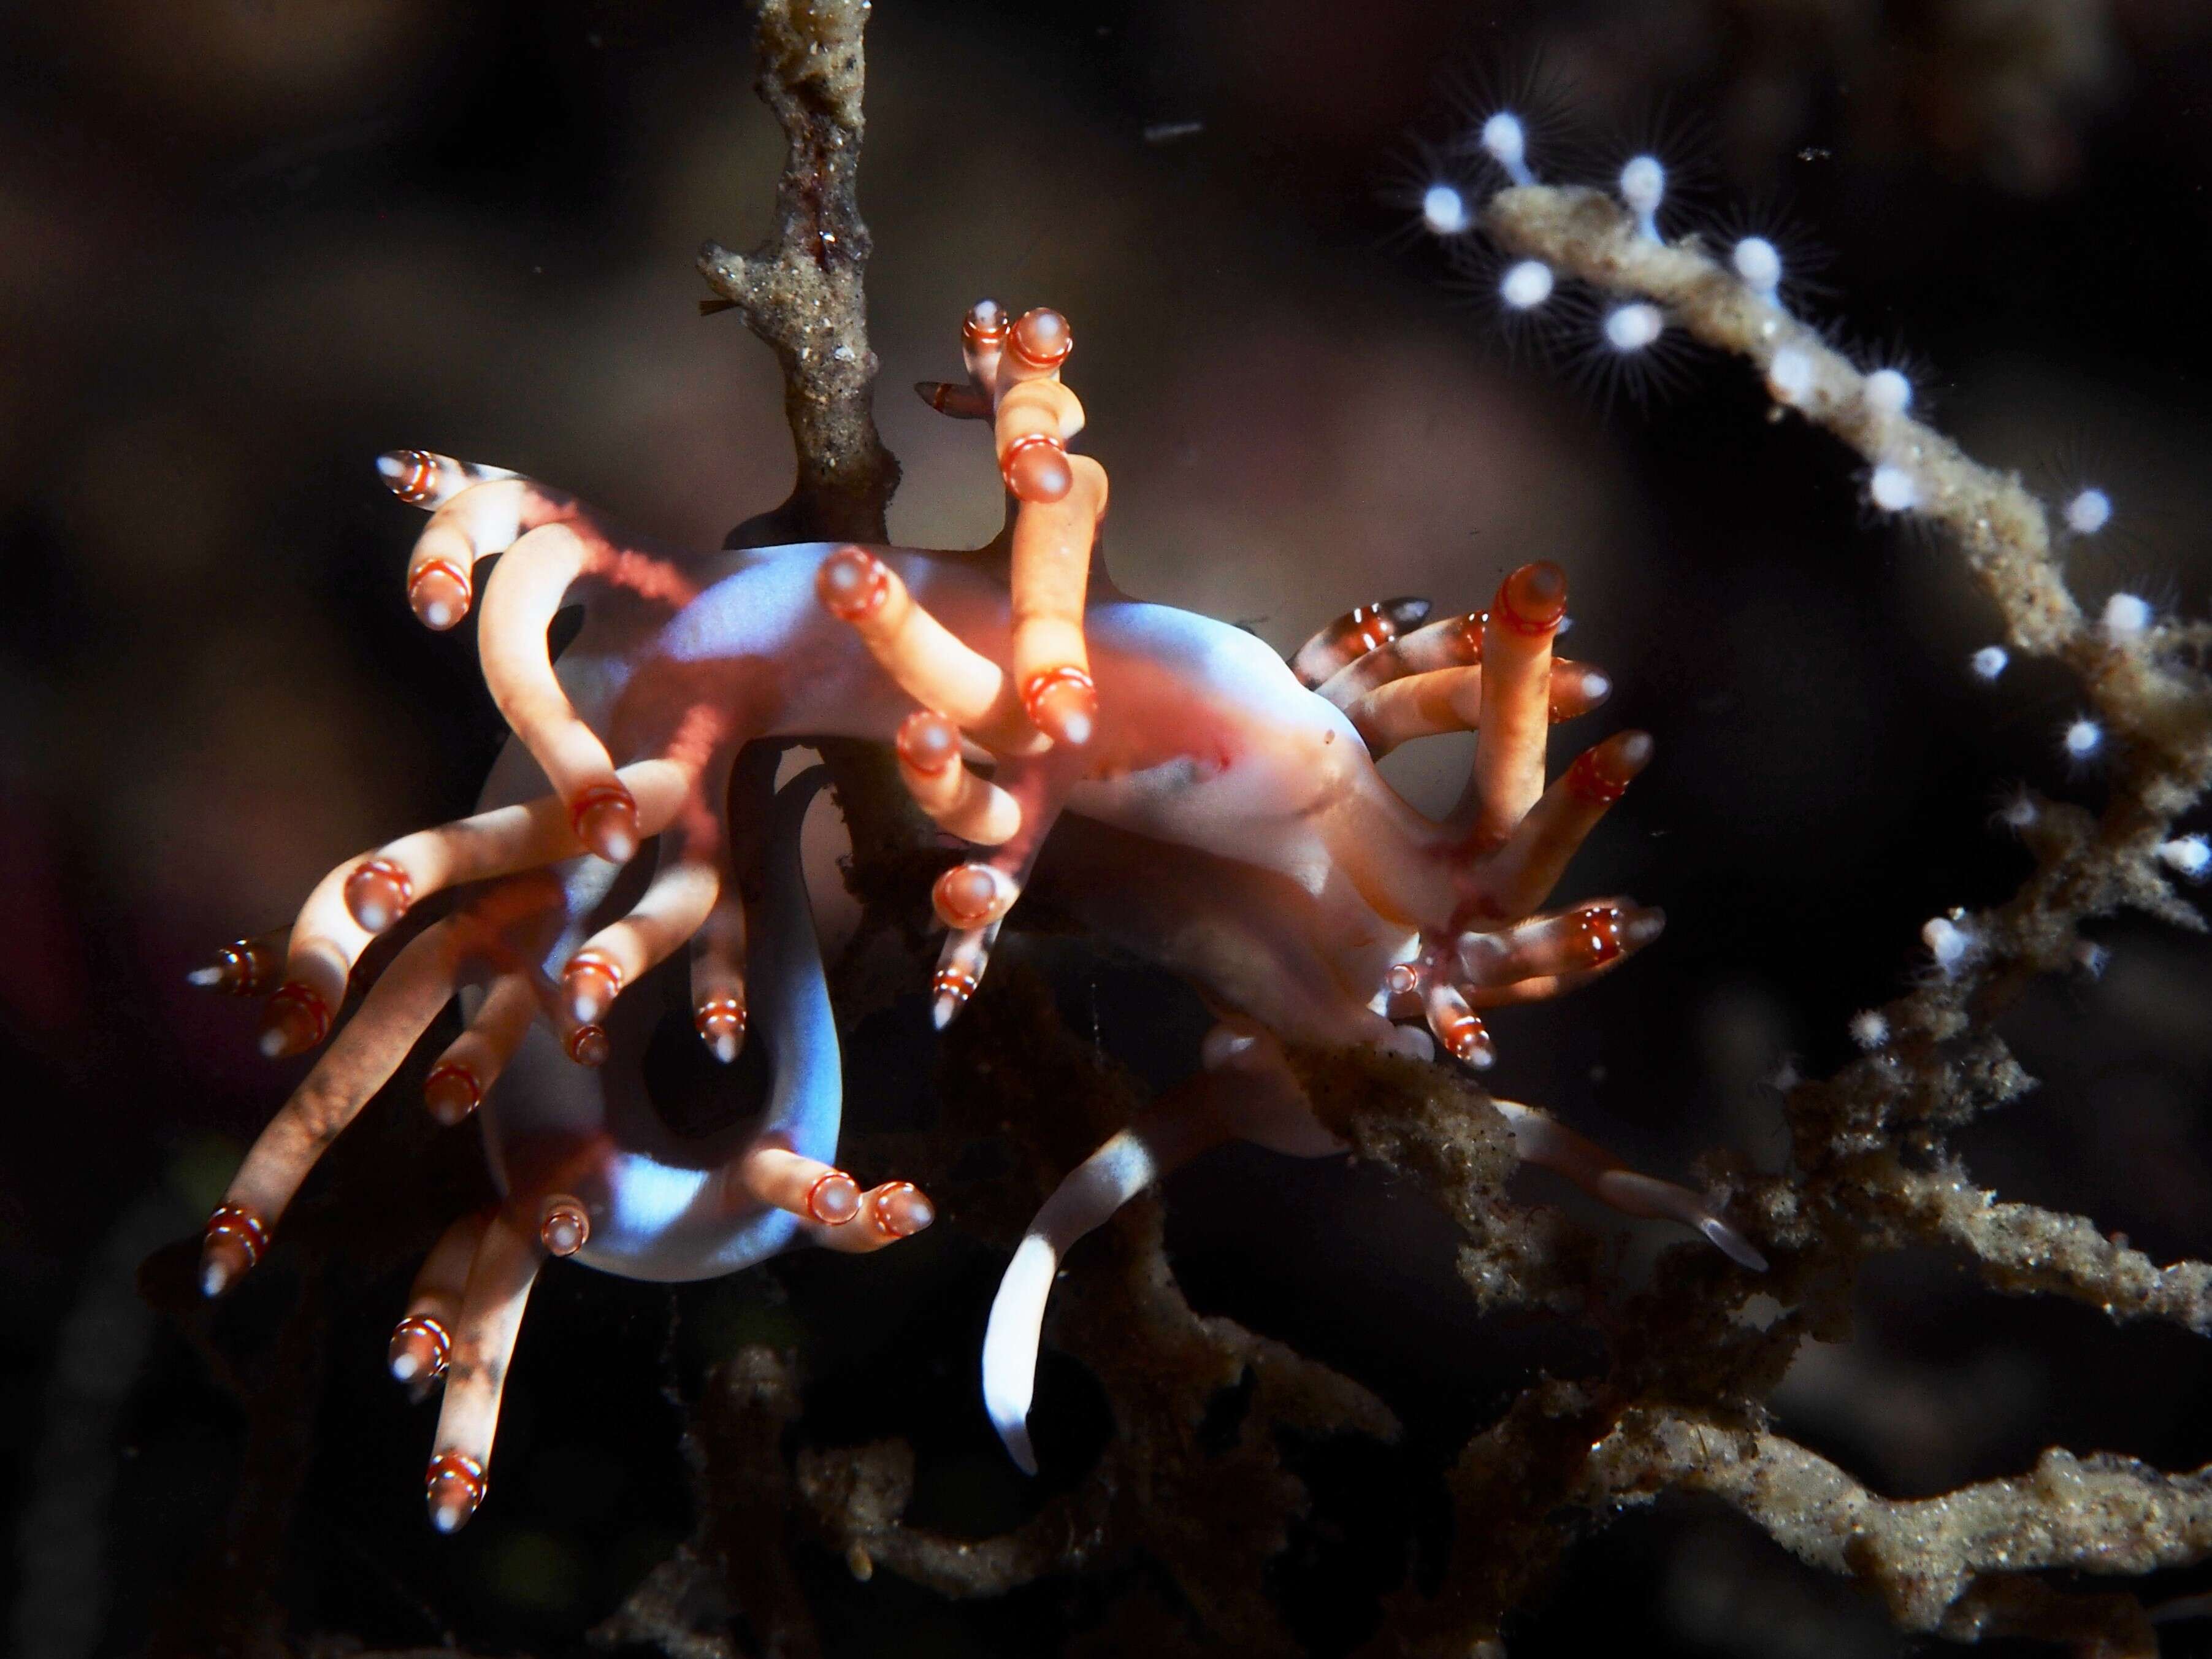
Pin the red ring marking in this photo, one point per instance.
(1504, 611)
(957, 982)
(564, 1209)
(460, 577)
(292, 994)
(814, 1194)
(1067, 673)
(598, 794)
(593, 960)
(720, 1005)
(1599, 928)
(421, 478)
(870, 597)
(961, 915)
(446, 1068)
(247, 966)
(914, 722)
(441, 1345)
(1027, 441)
(977, 332)
(235, 1221)
(1590, 779)
(882, 1206)
(1023, 355)
(582, 1038)
(391, 872)
(463, 1470)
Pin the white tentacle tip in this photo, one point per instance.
(1015, 1437)
(1731, 1244)
(1010, 1346)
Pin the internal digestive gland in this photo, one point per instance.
(1186, 793)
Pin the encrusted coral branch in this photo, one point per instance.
(2099, 1514)
(1942, 1564)
(802, 293)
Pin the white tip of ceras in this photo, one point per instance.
(724, 1048)
(272, 1043)
(215, 1278)
(1731, 1244)
(206, 978)
(1010, 1347)
(393, 465)
(1075, 727)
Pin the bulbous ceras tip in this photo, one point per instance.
(605, 818)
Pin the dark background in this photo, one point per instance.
(244, 246)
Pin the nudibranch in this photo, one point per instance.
(1207, 804)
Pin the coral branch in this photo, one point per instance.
(802, 293)
(2102, 1515)
(2025, 1250)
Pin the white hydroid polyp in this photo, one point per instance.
(2083, 738)
(1505, 140)
(2125, 614)
(1889, 391)
(1642, 187)
(2090, 511)
(1760, 264)
(1444, 210)
(1789, 375)
(1893, 488)
(1633, 326)
(1526, 284)
(2187, 856)
(1988, 662)
(1948, 942)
